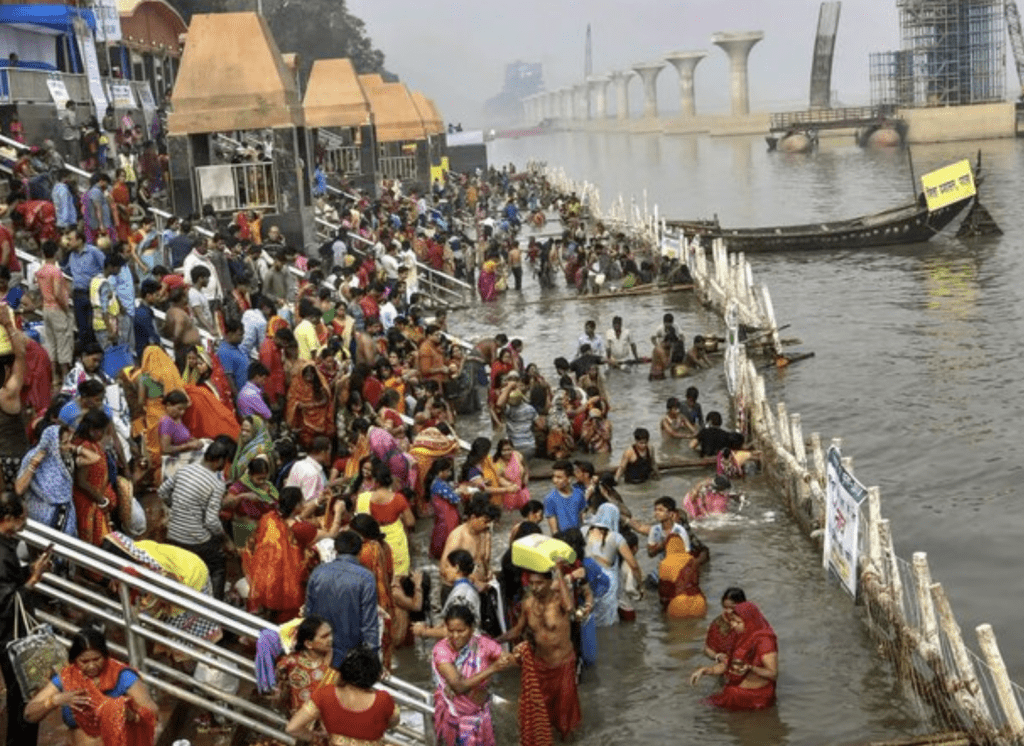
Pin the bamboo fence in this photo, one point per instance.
(968, 696)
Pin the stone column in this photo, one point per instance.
(582, 94)
(648, 72)
(621, 80)
(738, 47)
(685, 63)
(599, 85)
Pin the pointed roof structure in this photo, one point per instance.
(394, 112)
(428, 113)
(232, 77)
(335, 96)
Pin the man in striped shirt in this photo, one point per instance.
(194, 494)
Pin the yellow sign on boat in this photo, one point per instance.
(948, 185)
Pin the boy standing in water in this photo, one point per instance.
(564, 505)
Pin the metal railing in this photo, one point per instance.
(846, 115)
(140, 628)
(344, 159)
(401, 167)
(237, 186)
(440, 287)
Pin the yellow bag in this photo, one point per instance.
(539, 553)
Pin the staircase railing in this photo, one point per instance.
(140, 628)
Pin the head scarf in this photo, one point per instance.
(756, 632)
(160, 369)
(607, 517)
(51, 484)
(260, 444)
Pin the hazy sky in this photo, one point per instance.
(455, 51)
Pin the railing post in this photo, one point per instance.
(1004, 687)
(929, 625)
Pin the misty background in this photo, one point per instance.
(456, 52)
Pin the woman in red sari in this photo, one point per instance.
(721, 637)
(102, 700)
(310, 408)
(94, 498)
(212, 412)
(280, 556)
(752, 667)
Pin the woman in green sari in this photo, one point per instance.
(253, 441)
(248, 499)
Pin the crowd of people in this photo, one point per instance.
(266, 427)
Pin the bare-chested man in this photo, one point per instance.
(475, 537)
(548, 660)
(487, 349)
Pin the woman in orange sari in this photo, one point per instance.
(212, 412)
(281, 554)
(93, 495)
(154, 378)
(376, 557)
(679, 582)
(429, 445)
(302, 673)
(310, 407)
(102, 700)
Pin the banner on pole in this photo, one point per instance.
(843, 498)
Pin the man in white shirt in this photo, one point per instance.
(589, 337)
(198, 258)
(389, 262)
(308, 473)
(620, 344)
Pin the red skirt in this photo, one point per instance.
(736, 698)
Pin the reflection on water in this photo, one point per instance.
(916, 368)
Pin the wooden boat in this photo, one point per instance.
(914, 222)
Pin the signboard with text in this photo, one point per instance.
(58, 91)
(121, 94)
(87, 46)
(843, 498)
(108, 20)
(948, 185)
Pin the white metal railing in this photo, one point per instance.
(438, 286)
(401, 167)
(237, 186)
(344, 159)
(140, 628)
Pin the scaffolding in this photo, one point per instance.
(953, 53)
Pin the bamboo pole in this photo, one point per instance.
(1004, 687)
(797, 439)
(874, 516)
(817, 457)
(929, 625)
(892, 567)
(784, 434)
(969, 692)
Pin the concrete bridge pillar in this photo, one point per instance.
(685, 63)
(738, 47)
(648, 72)
(621, 80)
(581, 95)
(599, 85)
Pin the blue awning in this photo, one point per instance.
(53, 19)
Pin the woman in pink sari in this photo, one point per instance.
(385, 447)
(511, 468)
(487, 284)
(463, 662)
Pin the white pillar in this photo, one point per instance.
(738, 47)
(648, 72)
(621, 80)
(685, 63)
(599, 85)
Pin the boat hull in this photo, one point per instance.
(902, 225)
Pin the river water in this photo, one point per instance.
(915, 368)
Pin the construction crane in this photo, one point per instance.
(1016, 38)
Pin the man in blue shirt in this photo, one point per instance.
(564, 505)
(145, 329)
(235, 362)
(345, 594)
(64, 201)
(85, 261)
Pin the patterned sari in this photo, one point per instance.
(458, 719)
(259, 444)
(156, 376)
(249, 511)
(93, 523)
(429, 445)
(277, 563)
(48, 499)
(514, 472)
(106, 715)
(307, 421)
(300, 675)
